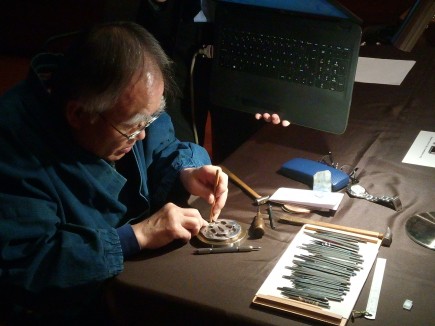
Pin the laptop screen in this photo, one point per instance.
(314, 7)
(288, 57)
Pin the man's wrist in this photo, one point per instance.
(129, 242)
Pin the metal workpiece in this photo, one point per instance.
(221, 233)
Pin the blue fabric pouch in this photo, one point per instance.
(303, 170)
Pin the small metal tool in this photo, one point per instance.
(204, 251)
(387, 238)
(269, 210)
(358, 314)
(256, 230)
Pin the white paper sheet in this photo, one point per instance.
(422, 151)
(382, 71)
(307, 198)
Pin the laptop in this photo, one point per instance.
(296, 58)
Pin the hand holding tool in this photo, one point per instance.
(216, 182)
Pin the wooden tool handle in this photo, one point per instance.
(256, 230)
(240, 183)
(301, 221)
(216, 182)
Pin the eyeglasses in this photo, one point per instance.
(133, 135)
(346, 168)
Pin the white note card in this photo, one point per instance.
(422, 151)
(382, 71)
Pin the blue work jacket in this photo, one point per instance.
(60, 206)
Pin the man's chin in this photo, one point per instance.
(118, 154)
(116, 157)
(124, 151)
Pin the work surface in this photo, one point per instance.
(175, 286)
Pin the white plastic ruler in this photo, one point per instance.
(375, 290)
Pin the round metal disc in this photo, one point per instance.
(221, 230)
(222, 233)
(421, 229)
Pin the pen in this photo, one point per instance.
(203, 251)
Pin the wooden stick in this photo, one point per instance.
(302, 221)
(240, 183)
(216, 182)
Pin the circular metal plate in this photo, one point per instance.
(222, 233)
(221, 230)
(421, 229)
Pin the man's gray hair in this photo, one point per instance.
(104, 61)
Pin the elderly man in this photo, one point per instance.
(88, 168)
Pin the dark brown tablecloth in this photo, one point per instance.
(174, 286)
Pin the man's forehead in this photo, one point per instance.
(143, 114)
(141, 98)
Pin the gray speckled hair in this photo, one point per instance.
(104, 60)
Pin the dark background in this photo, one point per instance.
(26, 24)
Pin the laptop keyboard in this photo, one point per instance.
(313, 64)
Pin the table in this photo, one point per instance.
(174, 286)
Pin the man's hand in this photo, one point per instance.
(168, 224)
(274, 118)
(201, 182)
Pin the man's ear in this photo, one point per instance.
(74, 114)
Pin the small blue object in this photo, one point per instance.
(303, 170)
